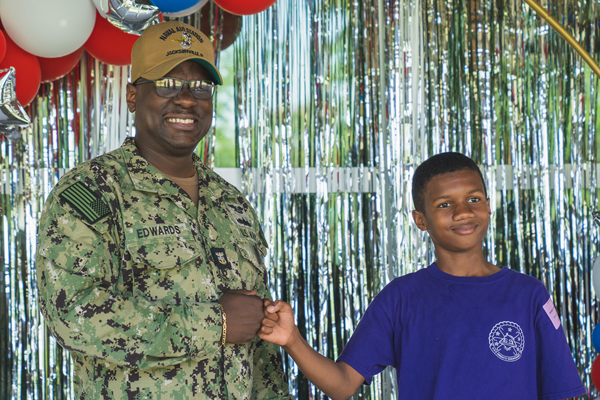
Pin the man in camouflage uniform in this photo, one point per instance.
(150, 266)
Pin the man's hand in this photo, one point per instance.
(244, 311)
(278, 326)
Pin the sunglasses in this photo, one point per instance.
(170, 87)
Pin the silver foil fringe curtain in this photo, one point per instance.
(337, 102)
(340, 100)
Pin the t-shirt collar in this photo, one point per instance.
(439, 274)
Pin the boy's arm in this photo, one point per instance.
(337, 379)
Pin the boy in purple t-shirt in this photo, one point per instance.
(461, 328)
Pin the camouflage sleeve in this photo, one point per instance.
(78, 267)
(270, 382)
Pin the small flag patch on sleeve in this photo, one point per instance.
(552, 314)
(85, 202)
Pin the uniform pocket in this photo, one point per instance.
(237, 264)
(250, 252)
(164, 252)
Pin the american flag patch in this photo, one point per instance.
(85, 202)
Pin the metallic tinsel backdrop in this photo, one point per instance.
(338, 102)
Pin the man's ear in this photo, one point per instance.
(419, 219)
(131, 96)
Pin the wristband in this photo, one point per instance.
(224, 334)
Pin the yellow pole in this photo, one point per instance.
(566, 35)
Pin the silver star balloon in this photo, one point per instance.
(12, 114)
(132, 16)
(12, 134)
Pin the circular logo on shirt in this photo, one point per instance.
(507, 341)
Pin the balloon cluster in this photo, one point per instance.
(43, 40)
(180, 8)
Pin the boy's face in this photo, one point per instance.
(456, 212)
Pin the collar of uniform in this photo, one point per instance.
(146, 177)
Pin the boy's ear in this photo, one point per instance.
(419, 219)
(488, 206)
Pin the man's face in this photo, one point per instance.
(456, 212)
(175, 126)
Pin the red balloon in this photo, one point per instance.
(28, 75)
(2, 46)
(596, 372)
(109, 44)
(54, 68)
(244, 7)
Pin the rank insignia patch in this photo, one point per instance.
(85, 202)
(220, 258)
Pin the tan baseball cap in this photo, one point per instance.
(164, 46)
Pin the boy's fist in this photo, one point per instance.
(278, 326)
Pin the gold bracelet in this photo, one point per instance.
(224, 334)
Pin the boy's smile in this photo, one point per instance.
(456, 214)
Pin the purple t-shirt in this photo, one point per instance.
(449, 337)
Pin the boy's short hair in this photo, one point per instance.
(439, 164)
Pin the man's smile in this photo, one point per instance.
(180, 120)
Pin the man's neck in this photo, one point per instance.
(181, 166)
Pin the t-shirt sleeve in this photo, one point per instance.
(557, 375)
(372, 347)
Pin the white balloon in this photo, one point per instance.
(187, 11)
(102, 7)
(596, 277)
(48, 28)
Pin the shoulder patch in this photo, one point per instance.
(85, 202)
(552, 314)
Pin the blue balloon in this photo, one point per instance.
(596, 338)
(172, 6)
